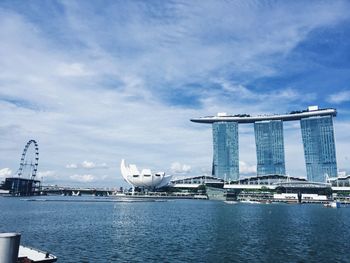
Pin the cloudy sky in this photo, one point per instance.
(97, 81)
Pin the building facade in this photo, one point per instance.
(319, 148)
(225, 150)
(269, 147)
(317, 138)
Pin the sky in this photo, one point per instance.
(97, 81)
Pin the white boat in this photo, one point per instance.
(334, 204)
(119, 194)
(204, 197)
(28, 254)
(249, 202)
(266, 202)
(231, 202)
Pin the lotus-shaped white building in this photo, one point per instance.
(145, 179)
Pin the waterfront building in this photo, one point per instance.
(193, 182)
(18, 186)
(317, 134)
(144, 179)
(319, 148)
(269, 147)
(225, 150)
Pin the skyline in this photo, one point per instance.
(96, 82)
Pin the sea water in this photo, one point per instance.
(87, 229)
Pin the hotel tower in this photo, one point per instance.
(317, 138)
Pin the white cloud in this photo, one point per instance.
(88, 165)
(84, 178)
(340, 97)
(90, 178)
(5, 172)
(72, 166)
(245, 168)
(287, 94)
(73, 70)
(92, 165)
(179, 168)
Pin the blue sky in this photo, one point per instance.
(97, 81)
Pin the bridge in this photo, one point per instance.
(76, 191)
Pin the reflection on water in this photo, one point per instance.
(97, 230)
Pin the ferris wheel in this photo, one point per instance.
(29, 160)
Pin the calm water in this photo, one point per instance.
(179, 231)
